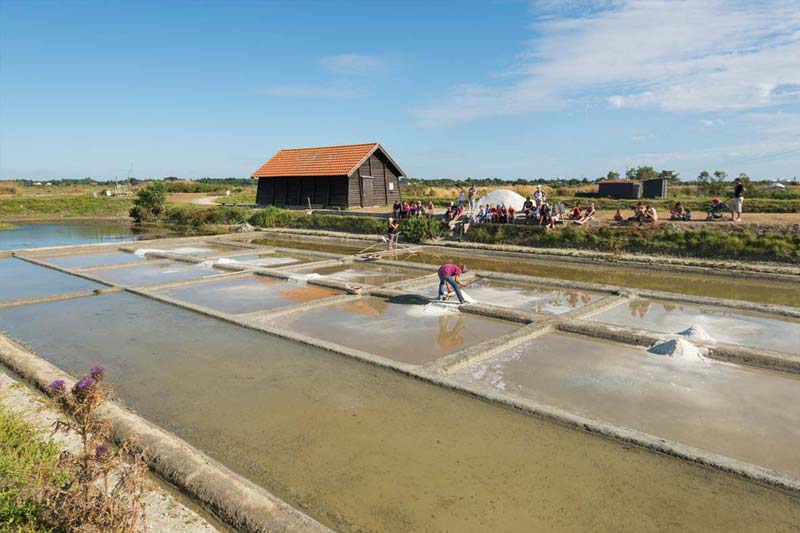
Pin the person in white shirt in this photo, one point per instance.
(539, 197)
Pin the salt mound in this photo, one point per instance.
(142, 252)
(678, 349)
(698, 333)
(503, 196)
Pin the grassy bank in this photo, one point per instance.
(24, 207)
(727, 243)
(27, 461)
(7, 226)
(752, 205)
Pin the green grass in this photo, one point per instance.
(247, 197)
(734, 243)
(27, 461)
(64, 206)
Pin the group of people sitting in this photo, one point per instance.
(495, 214)
(404, 209)
(641, 213)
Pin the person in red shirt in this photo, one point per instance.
(450, 274)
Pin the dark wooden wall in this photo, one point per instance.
(295, 191)
(383, 173)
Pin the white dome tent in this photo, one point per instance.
(502, 196)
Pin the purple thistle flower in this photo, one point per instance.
(101, 452)
(97, 372)
(86, 383)
(57, 387)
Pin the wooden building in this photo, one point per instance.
(620, 189)
(356, 175)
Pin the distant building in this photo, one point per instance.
(620, 189)
(630, 189)
(356, 175)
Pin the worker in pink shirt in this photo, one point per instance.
(450, 274)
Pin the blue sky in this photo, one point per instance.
(452, 89)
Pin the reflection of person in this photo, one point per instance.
(450, 337)
(450, 274)
(639, 307)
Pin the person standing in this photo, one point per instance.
(462, 197)
(450, 274)
(392, 232)
(738, 200)
(471, 198)
(539, 197)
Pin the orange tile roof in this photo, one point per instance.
(320, 161)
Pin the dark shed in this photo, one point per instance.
(355, 175)
(655, 188)
(620, 189)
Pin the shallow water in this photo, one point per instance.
(747, 414)
(725, 325)
(368, 274)
(363, 448)
(40, 234)
(90, 260)
(150, 274)
(268, 259)
(246, 295)
(524, 297)
(409, 333)
(754, 290)
(20, 279)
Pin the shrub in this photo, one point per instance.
(273, 217)
(149, 202)
(419, 229)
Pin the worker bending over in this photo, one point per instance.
(450, 274)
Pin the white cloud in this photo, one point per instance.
(708, 122)
(352, 64)
(687, 55)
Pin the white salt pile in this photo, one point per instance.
(678, 349)
(503, 196)
(697, 333)
(302, 278)
(141, 252)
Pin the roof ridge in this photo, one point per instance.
(332, 146)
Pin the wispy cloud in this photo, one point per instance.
(352, 64)
(689, 55)
(710, 122)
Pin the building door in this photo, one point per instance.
(366, 191)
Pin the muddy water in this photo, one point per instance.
(20, 279)
(726, 325)
(409, 333)
(747, 414)
(365, 449)
(755, 290)
(246, 295)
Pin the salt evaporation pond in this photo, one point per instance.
(725, 325)
(367, 274)
(748, 289)
(527, 297)
(265, 259)
(250, 294)
(744, 413)
(362, 448)
(93, 259)
(20, 279)
(409, 333)
(154, 273)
